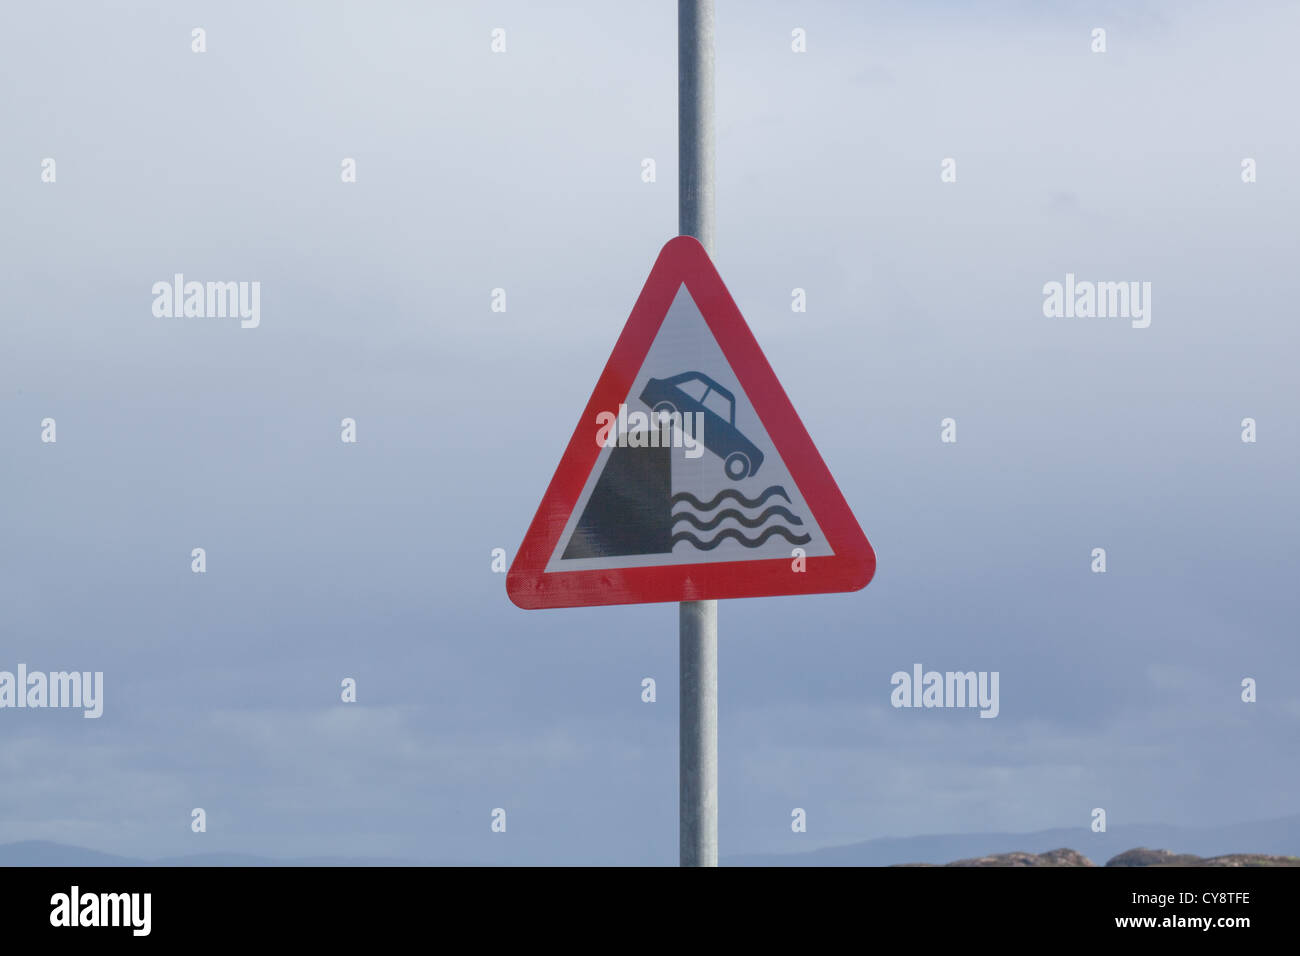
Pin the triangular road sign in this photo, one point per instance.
(689, 476)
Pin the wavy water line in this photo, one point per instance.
(739, 515)
(739, 536)
(696, 503)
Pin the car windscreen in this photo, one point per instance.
(718, 404)
(694, 388)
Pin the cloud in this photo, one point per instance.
(522, 171)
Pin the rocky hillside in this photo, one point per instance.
(1140, 856)
(1144, 857)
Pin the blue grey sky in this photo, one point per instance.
(522, 170)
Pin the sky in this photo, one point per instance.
(522, 170)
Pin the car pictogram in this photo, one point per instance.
(692, 392)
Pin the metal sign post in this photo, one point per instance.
(626, 520)
(698, 620)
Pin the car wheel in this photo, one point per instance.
(736, 466)
(664, 408)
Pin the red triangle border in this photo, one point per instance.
(850, 568)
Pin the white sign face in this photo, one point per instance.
(689, 476)
(686, 472)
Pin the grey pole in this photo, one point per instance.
(695, 120)
(697, 620)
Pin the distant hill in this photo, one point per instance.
(1144, 857)
(1261, 843)
(1280, 837)
(1062, 857)
(45, 853)
(1138, 857)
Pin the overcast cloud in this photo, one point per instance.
(522, 171)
